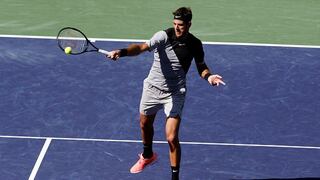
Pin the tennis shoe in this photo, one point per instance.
(142, 163)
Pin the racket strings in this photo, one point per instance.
(74, 39)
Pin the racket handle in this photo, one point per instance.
(103, 51)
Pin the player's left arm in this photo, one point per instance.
(203, 69)
(213, 79)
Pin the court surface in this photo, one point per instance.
(76, 117)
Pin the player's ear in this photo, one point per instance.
(189, 24)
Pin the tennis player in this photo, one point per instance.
(165, 87)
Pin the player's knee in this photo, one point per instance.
(146, 126)
(172, 139)
(146, 122)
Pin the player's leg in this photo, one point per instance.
(148, 110)
(149, 106)
(172, 135)
(147, 157)
(147, 132)
(173, 109)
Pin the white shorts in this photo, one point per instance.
(153, 99)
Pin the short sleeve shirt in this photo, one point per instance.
(172, 59)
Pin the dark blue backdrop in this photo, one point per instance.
(271, 97)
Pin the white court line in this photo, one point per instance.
(164, 142)
(40, 158)
(141, 40)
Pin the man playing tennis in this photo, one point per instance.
(165, 87)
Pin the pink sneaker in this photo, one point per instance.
(142, 163)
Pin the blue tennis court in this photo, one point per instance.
(76, 117)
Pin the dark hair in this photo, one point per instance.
(183, 13)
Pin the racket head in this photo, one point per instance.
(74, 38)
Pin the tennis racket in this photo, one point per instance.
(77, 41)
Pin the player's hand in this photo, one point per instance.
(215, 80)
(114, 55)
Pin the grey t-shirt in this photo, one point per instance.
(172, 59)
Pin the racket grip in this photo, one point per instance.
(103, 51)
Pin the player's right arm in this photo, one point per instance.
(135, 49)
(131, 50)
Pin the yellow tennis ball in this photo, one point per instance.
(67, 50)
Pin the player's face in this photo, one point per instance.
(180, 27)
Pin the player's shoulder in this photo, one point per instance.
(169, 30)
(194, 39)
(160, 36)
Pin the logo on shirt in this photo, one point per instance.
(182, 90)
